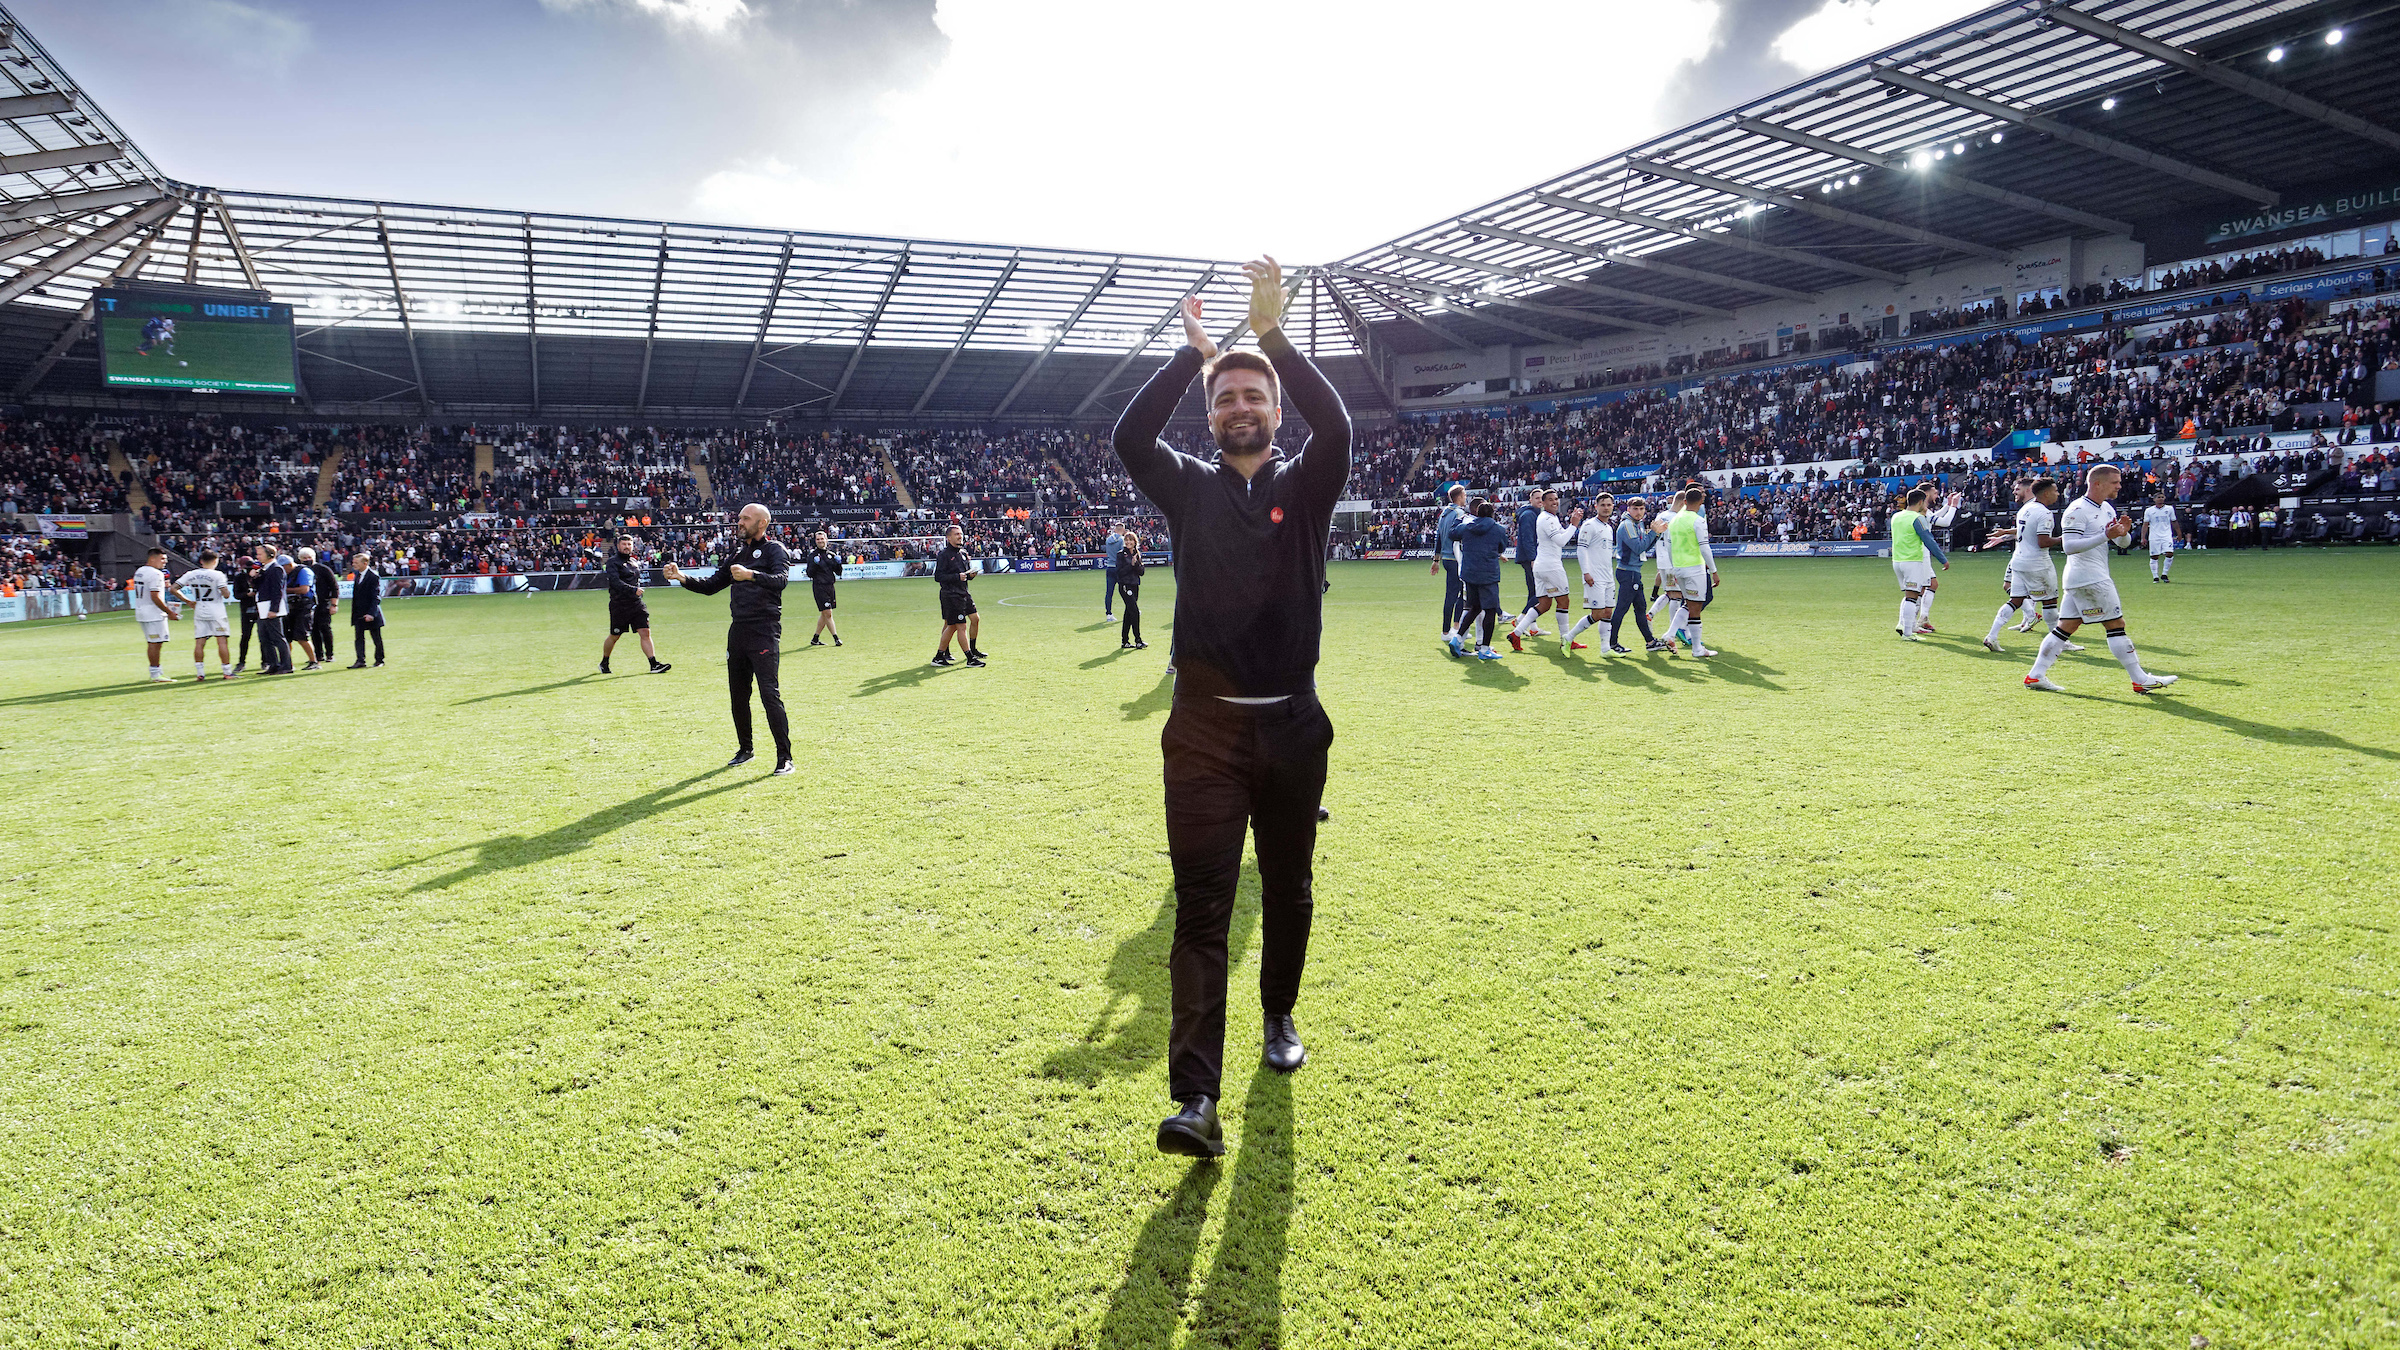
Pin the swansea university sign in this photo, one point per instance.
(2306, 213)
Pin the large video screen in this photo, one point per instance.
(184, 337)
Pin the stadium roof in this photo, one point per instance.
(408, 308)
(2076, 119)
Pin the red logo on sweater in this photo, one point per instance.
(1276, 515)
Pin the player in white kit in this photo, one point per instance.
(1595, 557)
(2084, 532)
(152, 609)
(2030, 575)
(2159, 524)
(1940, 514)
(206, 589)
(1549, 568)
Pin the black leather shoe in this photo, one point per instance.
(1193, 1131)
(1284, 1050)
(740, 758)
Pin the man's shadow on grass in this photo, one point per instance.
(504, 852)
(78, 695)
(1160, 695)
(1737, 669)
(2307, 737)
(1490, 674)
(903, 678)
(1241, 1300)
(534, 689)
(1136, 976)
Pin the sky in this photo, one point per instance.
(1303, 128)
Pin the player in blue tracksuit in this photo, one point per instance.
(1446, 556)
(1633, 544)
(1529, 543)
(1480, 541)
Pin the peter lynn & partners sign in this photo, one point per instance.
(2305, 213)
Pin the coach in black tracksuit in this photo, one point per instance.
(1246, 743)
(756, 570)
(245, 594)
(328, 586)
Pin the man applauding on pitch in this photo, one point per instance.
(1245, 745)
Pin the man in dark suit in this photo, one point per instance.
(366, 607)
(274, 653)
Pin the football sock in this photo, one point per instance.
(1525, 622)
(1580, 625)
(1925, 608)
(1908, 616)
(2000, 621)
(2050, 615)
(1693, 628)
(199, 669)
(2053, 646)
(2154, 567)
(156, 671)
(2121, 647)
(2166, 564)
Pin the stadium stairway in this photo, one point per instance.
(1417, 465)
(137, 497)
(325, 476)
(695, 461)
(483, 462)
(1066, 478)
(899, 486)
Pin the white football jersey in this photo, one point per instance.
(2033, 521)
(2160, 521)
(208, 591)
(147, 581)
(2084, 518)
(1595, 546)
(1551, 535)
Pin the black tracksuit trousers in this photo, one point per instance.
(754, 654)
(1235, 769)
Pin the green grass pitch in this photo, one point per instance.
(1840, 992)
(209, 354)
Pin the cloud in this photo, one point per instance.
(1845, 30)
(706, 16)
(1284, 125)
(245, 35)
(1758, 46)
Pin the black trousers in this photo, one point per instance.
(1131, 629)
(249, 626)
(1451, 596)
(1235, 769)
(322, 634)
(359, 631)
(1531, 599)
(274, 654)
(1629, 584)
(754, 654)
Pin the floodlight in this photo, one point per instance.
(2334, 38)
(1941, 154)
(1959, 149)
(1920, 160)
(2108, 105)
(2274, 53)
(1995, 138)
(1854, 180)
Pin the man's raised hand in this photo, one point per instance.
(1193, 333)
(1266, 294)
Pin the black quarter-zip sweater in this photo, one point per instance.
(1249, 555)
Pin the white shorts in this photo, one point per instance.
(210, 625)
(2163, 549)
(1915, 574)
(2094, 603)
(2034, 581)
(154, 630)
(1549, 580)
(1689, 582)
(1602, 592)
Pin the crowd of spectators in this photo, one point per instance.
(58, 465)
